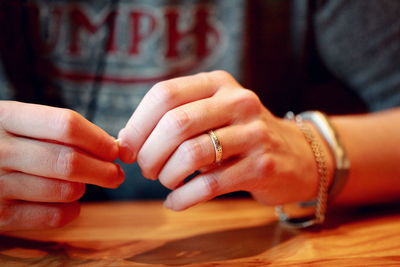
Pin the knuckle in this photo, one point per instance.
(66, 162)
(70, 192)
(265, 166)
(222, 74)
(247, 100)
(177, 121)
(191, 153)
(66, 123)
(259, 132)
(164, 93)
(211, 185)
(223, 78)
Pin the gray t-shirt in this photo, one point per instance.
(359, 41)
(101, 56)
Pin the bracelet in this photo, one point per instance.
(328, 132)
(342, 166)
(320, 202)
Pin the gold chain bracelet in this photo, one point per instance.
(321, 201)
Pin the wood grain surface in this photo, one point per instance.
(230, 232)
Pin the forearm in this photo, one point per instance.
(372, 143)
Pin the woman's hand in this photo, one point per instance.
(262, 154)
(47, 155)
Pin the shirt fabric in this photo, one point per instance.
(100, 57)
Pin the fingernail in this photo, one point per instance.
(126, 153)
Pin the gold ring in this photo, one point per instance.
(217, 146)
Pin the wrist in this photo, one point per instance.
(304, 167)
(330, 159)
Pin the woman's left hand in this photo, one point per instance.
(262, 154)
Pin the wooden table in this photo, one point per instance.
(230, 232)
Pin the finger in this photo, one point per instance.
(21, 186)
(191, 120)
(61, 125)
(36, 216)
(58, 161)
(198, 153)
(242, 174)
(163, 97)
(175, 127)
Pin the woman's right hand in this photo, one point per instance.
(47, 155)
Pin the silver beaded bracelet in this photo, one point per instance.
(342, 165)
